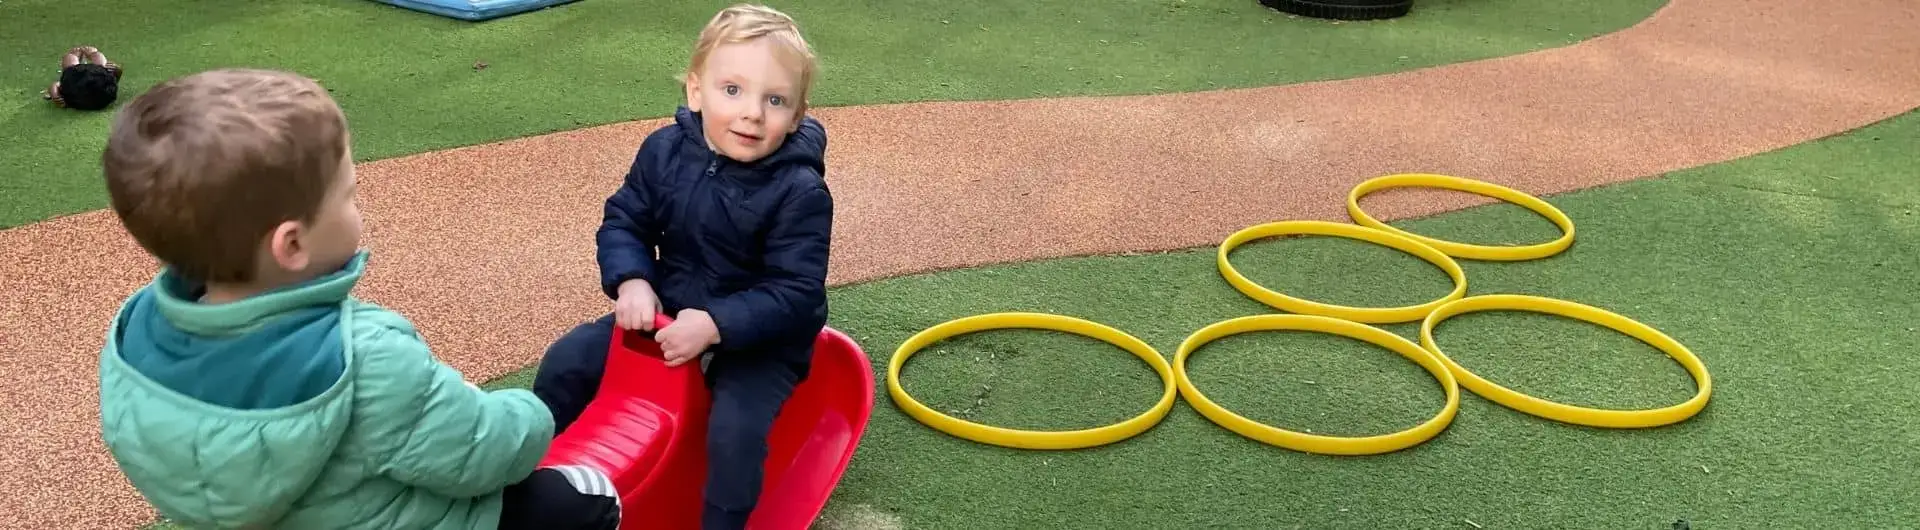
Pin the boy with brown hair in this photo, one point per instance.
(732, 198)
(244, 387)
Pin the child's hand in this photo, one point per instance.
(689, 334)
(635, 307)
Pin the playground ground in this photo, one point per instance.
(1740, 178)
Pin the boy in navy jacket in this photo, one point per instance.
(731, 197)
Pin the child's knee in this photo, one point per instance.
(739, 425)
(570, 369)
(737, 434)
(588, 339)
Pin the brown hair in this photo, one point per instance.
(201, 168)
(745, 22)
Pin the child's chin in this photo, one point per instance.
(745, 155)
(332, 265)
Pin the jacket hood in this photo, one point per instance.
(198, 461)
(806, 145)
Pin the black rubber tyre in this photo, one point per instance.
(1343, 9)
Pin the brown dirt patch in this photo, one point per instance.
(492, 275)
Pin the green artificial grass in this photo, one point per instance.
(410, 81)
(1790, 273)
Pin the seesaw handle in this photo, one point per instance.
(660, 321)
(627, 337)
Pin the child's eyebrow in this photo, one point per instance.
(778, 87)
(737, 79)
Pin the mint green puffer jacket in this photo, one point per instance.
(201, 406)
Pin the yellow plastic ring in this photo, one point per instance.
(1314, 443)
(1477, 187)
(1368, 315)
(1025, 439)
(1619, 419)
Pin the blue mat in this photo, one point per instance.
(475, 10)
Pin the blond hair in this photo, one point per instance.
(201, 168)
(745, 22)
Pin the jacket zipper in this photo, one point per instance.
(701, 278)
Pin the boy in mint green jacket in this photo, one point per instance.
(245, 388)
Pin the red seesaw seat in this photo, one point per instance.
(647, 429)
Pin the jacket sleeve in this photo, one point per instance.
(439, 433)
(790, 301)
(625, 249)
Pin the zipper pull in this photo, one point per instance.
(712, 166)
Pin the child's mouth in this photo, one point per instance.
(746, 137)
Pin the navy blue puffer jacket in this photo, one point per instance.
(746, 242)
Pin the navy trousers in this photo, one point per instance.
(747, 393)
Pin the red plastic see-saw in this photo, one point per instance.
(647, 429)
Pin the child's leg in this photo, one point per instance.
(570, 372)
(746, 397)
(94, 56)
(71, 58)
(561, 498)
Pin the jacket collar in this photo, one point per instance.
(177, 299)
(806, 145)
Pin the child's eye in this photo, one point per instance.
(733, 90)
(777, 101)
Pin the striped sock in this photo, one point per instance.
(589, 481)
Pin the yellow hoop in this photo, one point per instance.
(1488, 189)
(1368, 315)
(1314, 443)
(1592, 417)
(1024, 439)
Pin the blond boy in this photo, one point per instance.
(731, 197)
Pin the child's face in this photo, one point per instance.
(748, 99)
(336, 230)
(329, 241)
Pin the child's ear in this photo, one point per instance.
(285, 247)
(693, 91)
